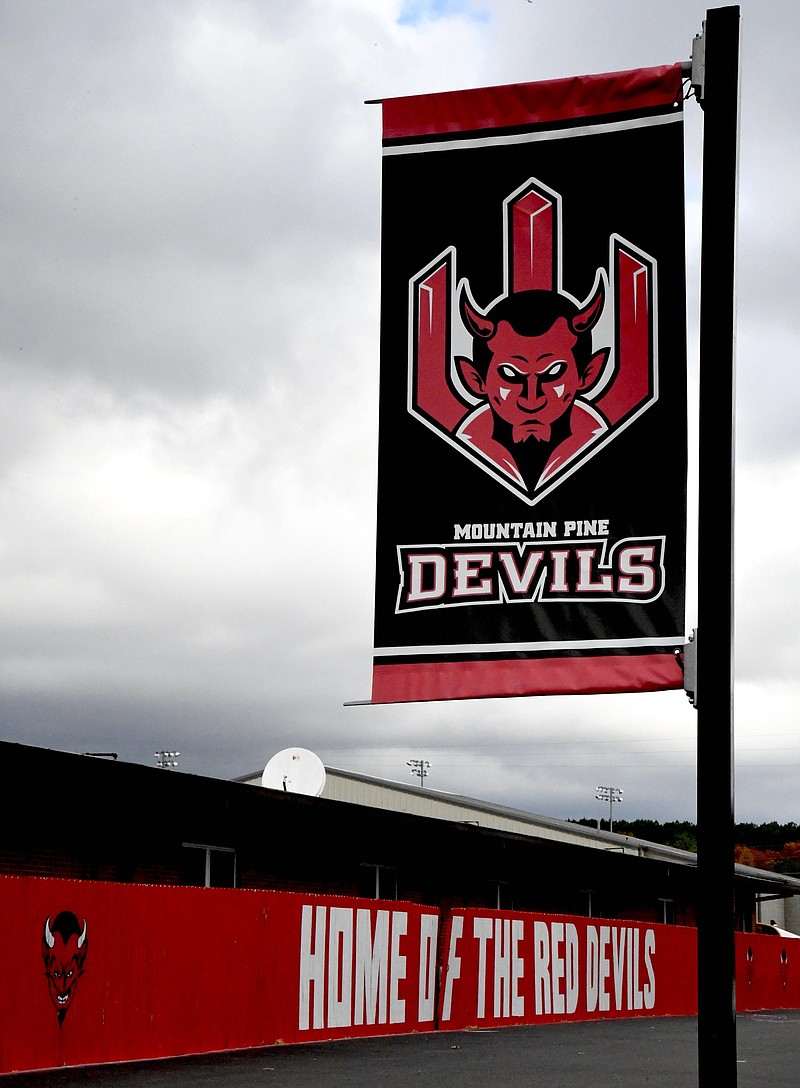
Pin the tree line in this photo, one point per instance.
(770, 845)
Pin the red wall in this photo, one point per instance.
(504, 968)
(518, 968)
(767, 972)
(172, 970)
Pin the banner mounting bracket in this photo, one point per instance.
(695, 69)
(687, 660)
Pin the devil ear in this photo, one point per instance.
(470, 376)
(594, 368)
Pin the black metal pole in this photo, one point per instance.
(715, 793)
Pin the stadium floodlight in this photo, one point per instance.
(611, 794)
(419, 767)
(166, 759)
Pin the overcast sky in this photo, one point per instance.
(189, 378)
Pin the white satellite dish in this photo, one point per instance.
(295, 770)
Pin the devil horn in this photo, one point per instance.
(82, 937)
(477, 323)
(587, 318)
(48, 936)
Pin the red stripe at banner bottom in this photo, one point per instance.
(427, 681)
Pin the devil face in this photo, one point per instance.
(64, 950)
(532, 357)
(531, 380)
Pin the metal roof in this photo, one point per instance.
(459, 808)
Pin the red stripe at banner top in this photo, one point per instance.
(531, 103)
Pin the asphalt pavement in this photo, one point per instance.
(633, 1053)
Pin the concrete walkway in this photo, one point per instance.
(660, 1053)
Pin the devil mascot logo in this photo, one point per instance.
(532, 358)
(536, 399)
(64, 949)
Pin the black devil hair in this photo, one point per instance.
(532, 313)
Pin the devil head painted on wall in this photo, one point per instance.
(64, 948)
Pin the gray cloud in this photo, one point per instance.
(190, 275)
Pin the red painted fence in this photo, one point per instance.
(171, 970)
(99, 972)
(767, 972)
(503, 968)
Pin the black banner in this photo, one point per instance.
(532, 455)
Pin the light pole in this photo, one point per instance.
(419, 767)
(610, 794)
(167, 759)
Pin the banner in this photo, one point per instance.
(532, 441)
